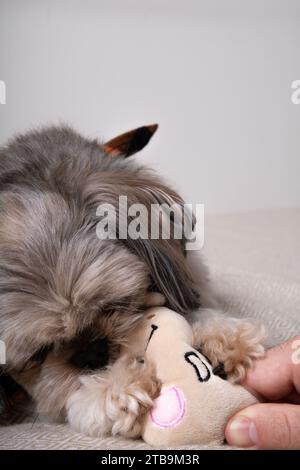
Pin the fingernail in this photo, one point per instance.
(242, 432)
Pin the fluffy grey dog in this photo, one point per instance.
(68, 300)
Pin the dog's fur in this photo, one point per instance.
(68, 299)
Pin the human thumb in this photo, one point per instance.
(265, 426)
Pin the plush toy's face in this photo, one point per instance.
(170, 406)
(195, 403)
(169, 409)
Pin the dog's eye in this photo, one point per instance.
(93, 355)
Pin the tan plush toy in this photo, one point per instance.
(194, 404)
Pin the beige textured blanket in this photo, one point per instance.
(255, 265)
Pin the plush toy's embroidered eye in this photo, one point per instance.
(201, 369)
(153, 329)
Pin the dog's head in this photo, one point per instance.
(63, 288)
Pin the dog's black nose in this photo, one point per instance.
(93, 355)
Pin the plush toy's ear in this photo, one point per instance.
(131, 142)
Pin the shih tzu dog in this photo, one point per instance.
(68, 299)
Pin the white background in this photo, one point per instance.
(216, 75)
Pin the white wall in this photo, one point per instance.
(215, 74)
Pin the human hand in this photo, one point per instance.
(275, 424)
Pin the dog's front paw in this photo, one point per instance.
(245, 346)
(114, 401)
(234, 346)
(129, 400)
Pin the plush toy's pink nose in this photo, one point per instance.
(169, 408)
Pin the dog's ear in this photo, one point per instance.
(131, 142)
(169, 273)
